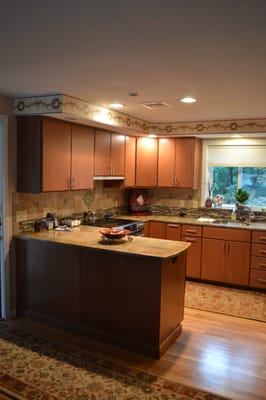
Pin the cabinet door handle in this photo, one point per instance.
(191, 240)
(261, 280)
(173, 226)
(262, 251)
(191, 231)
(73, 183)
(262, 238)
(262, 265)
(224, 249)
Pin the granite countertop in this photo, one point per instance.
(89, 236)
(172, 219)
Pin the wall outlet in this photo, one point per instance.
(21, 216)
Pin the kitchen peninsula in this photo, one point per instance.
(128, 293)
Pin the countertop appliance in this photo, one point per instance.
(135, 227)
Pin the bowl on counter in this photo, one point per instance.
(114, 233)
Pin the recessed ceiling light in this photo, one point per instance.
(116, 105)
(188, 100)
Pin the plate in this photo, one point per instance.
(113, 233)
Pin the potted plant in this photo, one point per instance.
(241, 195)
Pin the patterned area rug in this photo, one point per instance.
(36, 367)
(230, 301)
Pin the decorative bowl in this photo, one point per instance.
(113, 233)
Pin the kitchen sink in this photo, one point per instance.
(226, 222)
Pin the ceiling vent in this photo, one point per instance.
(155, 105)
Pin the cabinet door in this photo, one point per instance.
(157, 230)
(56, 155)
(82, 157)
(193, 256)
(213, 253)
(117, 154)
(187, 162)
(102, 155)
(236, 269)
(166, 162)
(130, 161)
(173, 231)
(146, 162)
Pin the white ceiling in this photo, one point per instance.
(102, 50)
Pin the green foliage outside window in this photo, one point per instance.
(226, 180)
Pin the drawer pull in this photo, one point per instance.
(262, 251)
(191, 231)
(261, 280)
(262, 237)
(262, 265)
(173, 226)
(191, 240)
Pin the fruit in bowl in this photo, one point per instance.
(114, 233)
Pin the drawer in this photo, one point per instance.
(258, 250)
(191, 230)
(235, 234)
(258, 263)
(257, 278)
(259, 237)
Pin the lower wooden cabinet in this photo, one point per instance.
(192, 234)
(173, 231)
(223, 260)
(257, 277)
(157, 230)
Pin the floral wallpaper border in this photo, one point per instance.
(70, 108)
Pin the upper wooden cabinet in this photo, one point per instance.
(179, 162)
(130, 161)
(109, 156)
(146, 162)
(53, 155)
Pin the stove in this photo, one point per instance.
(135, 227)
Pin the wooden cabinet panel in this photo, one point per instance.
(56, 149)
(239, 235)
(82, 154)
(259, 237)
(109, 157)
(157, 230)
(179, 162)
(130, 161)
(118, 154)
(193, 256)
(166, 162)
(102, 156)
(257, 279)
(53, 155)
(212, 267)
(146, 230)
(192, 230)
(173, 231)
(146, 162)
(236, 267)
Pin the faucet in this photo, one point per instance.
(244, 213)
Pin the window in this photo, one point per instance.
(233, 166)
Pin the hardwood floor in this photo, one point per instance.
(217, 353)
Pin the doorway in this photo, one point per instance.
(3, 215)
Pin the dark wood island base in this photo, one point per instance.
(127, 300)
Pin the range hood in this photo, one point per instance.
(108, 178)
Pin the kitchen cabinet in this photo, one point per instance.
(179, 162)
(257, 277)
(192, 234)
(157, 230)
(109, 156)
(130, 161)
(173, 231)
(53, 155)
(225, 255)
(146, 162)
